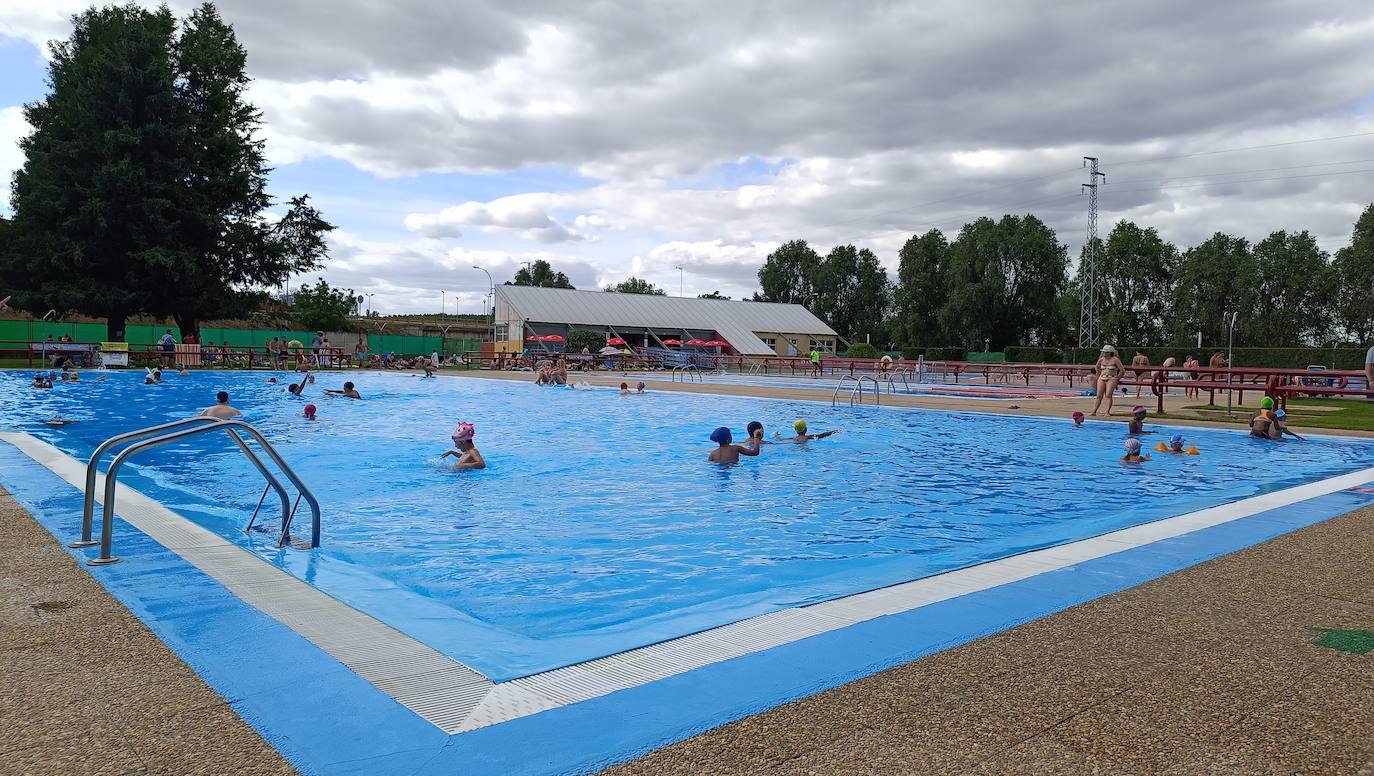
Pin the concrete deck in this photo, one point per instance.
(88, 689)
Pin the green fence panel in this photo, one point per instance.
(985, 357)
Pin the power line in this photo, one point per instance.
(1242, 172)
(1244, 180)
(1245, 148)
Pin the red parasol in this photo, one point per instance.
(615, 341)
(716, 344)
(531, 338)
(672, 342)
(696, 342)
(552, 338)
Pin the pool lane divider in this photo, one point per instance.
(680, 687)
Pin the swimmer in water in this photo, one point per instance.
(41, 380)
(295, 389)
(466, 452)
(1175, 446)
(310, 412)
(1133, 454)
(1077, 419)
(802, 436)
(221, 408)
(1261, 421)
(58, 420)
(271, 381)
(1137, 424)
(182, 370)
(726, 452)
(624, 389)
(348, 391)
(640, 388)
(429, 369)
(1279, 426)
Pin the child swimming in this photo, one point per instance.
(1133, 452)
(1077, 419)
(1280, 427)
(1137, 424)
(726, 452)
(802, 436)
(1175, 446)
(467, 453)
(310, 412)
(624, 389)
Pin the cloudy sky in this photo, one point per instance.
(618, 138)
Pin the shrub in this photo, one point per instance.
(580, 338)
(861, 350)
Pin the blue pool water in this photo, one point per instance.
(599, 526)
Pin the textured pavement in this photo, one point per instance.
(1209, 670)
(85, 688)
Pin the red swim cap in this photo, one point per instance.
(310, 410)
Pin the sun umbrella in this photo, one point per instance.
(716, 344)
(696, 342)
(531, 338)
(615, 341)
(552, 338)
(672, 342)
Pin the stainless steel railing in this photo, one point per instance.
(232, 427)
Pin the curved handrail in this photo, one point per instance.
(111, 480)
(835, 397)
(88, 505)
(859, 390)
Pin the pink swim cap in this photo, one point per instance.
(463, 432)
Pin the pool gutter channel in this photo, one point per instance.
(456, 699)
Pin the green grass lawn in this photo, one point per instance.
(1349, 414)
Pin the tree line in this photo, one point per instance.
(1006, 282)
(144, 187)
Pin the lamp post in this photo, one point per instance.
(369, 303)
(492, 294)
(443, 303)
(678, 267)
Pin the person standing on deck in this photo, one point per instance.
(1369, 372)
(168, 345)
(815, 362)
(1108, 370)
(1139, 359)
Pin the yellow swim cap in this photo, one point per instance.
(799, 427)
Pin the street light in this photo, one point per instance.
(492, 294)
(678, 267)
(369, 303)
(1230, 336)
(443, 303)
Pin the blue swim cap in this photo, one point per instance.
(721, 435)
(1177, 439)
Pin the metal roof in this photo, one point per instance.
(737, 322)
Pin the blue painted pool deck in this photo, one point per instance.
(324, 719)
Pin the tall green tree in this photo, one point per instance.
(1135, 284)
(1354, 267)
(634, 285)
(540, 273)
(1214, 278)
(851, 292)
(95, 202)
(143, 186)
(1295, 298)
(788, 274)
(1005, 279)
(321, 307)
(920, 291)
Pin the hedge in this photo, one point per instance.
(861, 350)
(934, 353)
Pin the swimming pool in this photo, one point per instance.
(600, 527)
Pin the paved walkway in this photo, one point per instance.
(85, 688)
(1210, 670)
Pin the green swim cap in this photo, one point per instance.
(1266, 403)
(799, 427)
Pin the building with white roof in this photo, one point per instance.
(524, 314)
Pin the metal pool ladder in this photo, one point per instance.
(156, 436)
(857, 394)
(688, 373)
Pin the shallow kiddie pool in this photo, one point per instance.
(599, 526)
